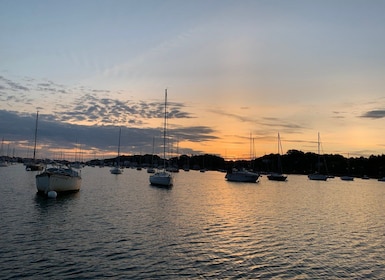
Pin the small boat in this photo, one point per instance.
(150, 170)
(163, 178)
(317, 176)
(59, 179)
(275, 176)
(116, 169)
(242, 175)
(347, 178)
(382, 179)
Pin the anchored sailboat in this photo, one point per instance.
(317, 175)
(163, 178)
(116, 169)
(278, 176)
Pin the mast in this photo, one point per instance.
(280, 150)
(34, 148)
(319, 163)
(164, 130)
(120, 131)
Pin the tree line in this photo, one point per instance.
(293, 162)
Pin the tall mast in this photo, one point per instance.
(164, 130)
(319, 153)
(120, 131)
(34, 148)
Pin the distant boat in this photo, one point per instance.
(347, 178)
(163, 178)
(116, 169)
(33, 165)
(278, 176)
(59, 179)
(151, 169)
(241, 175)
(3, 162)
(317, 175)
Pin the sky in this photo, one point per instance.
(237, 73)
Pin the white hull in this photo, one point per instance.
(161, 179)
(54, 181)
(242, 176)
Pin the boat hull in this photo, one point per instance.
(242, 176)
(317, 177)
(277, 177)
(34, 167)
(116, 170)
(46, 182)
(163, 179)
(347, 178)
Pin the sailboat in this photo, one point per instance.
(278, 176)
(163, 178)
(317, 175)
(241, 174)
(33, 165)
(58, 179)
(3, 162)
(347, 177)
(151, 168)
(116, 169)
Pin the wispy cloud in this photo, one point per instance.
(374, 114)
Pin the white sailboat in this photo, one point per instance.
(317, 175)
(116, 169)
(58, 179)
(278, 176)
(33, 165)
(163, 178)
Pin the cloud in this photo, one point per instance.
(53, 134)
(374, 114)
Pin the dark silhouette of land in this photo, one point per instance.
(293, 162)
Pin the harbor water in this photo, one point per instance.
(120, 227)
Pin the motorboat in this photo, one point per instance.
(318, 177)
(277, 177)
(242, 175)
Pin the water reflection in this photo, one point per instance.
(48, 207)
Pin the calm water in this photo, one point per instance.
(204, 228)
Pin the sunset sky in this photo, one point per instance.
(234, 70)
